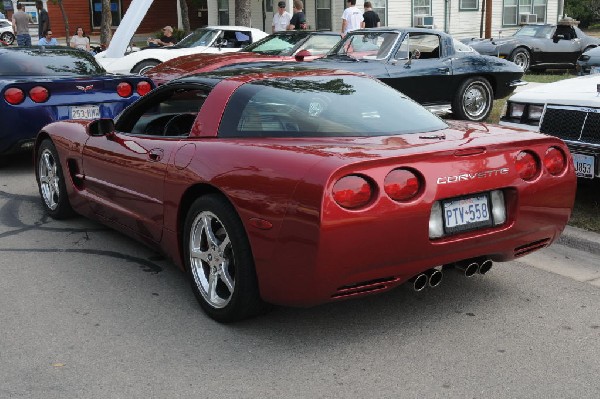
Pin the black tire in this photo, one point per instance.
(8, 38)
(522, 58)
(144, 66)
(474, 99)
(221, 268)
(51, 182)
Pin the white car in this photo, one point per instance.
(568, 109)
(211, 39)
(6, 32)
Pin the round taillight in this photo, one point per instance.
(352, 192)
(527, 165)
(555, 161)
(143, 88)
(401, 184)
(39, 94)
(14, 96)
(124, 89)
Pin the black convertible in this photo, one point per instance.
(539, 46)
(429, 66)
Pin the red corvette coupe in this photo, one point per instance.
(299, 187)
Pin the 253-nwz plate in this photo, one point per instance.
(85, 112)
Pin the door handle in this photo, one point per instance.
(156, 154)
(444, 70)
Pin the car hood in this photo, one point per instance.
(479, 44)
(581, 91)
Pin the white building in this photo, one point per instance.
(461, 18)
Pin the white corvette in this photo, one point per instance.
(211, 39)
(6, 31)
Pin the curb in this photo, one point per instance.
(580, 239)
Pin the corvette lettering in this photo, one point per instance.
(471, 176)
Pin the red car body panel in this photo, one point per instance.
(314, 250)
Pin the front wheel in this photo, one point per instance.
(51, 182)
(219, 260)
(522, 58)
(474, 99)
(144, 66)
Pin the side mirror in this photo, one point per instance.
(300, 55)
(101, 127)
(558, 37)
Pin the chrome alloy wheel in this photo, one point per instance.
(211, 260)
(476, 100)
(49, 179)
(522, 60)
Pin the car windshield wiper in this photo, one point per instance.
(343, 56)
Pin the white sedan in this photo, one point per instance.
(211, 39)
(568, 109)
(6, 32)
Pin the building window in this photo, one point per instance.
(223, 16)
(323, 15)
(468, 5)
(421, 7)
(380, 7)
(515, 12)
(96, 8)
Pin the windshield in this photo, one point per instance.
(48, 61)
(539, 31)
(323, 106)
(366, 45)
(290, 43)
(200, 37)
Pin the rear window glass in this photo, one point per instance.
(40, 61)
(323, 106)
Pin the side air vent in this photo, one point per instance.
(532, 246)
(366, 287)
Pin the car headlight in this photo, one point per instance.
(515, 110)
(584, 57)
(535, 112)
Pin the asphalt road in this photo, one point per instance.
(87, 313)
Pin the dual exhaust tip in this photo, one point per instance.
(433, 277)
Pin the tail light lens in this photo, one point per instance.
(527, 165)
(352, 192)
(14, 96)
(124, 89)
(39, 94)
(401, 184)
(555, 161)
(143, 88)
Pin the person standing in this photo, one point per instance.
(43, 19)
(370, 17)
(352, 18)
(298, 21)
(20, 22)
(48, 40)
(281, 19)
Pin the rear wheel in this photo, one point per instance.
(7, 37)
(51, 182)
(219, 260)
(474, 100)
(522, 58)
(144, 66)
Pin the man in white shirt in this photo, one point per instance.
(281, 19)
(351, 18)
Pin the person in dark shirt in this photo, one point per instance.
(370, 17)
(43, 19)
(298, 20)
(167, 38)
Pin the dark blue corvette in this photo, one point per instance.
(40, 85)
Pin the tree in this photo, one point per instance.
(243, 16)
(65, 18)
(585, 11)
(106, 24)
(185, 16)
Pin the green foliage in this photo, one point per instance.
(585, 11)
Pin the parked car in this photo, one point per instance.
(212, 39)
(40, 85)
(288, 45)
(539, 46)
(568, 109)
(429, 66)
(6, 32)
(589, 62)
(299, 187)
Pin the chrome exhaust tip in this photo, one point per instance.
(419, 282)
(434, 277)
(485, 266)
(469, 268)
